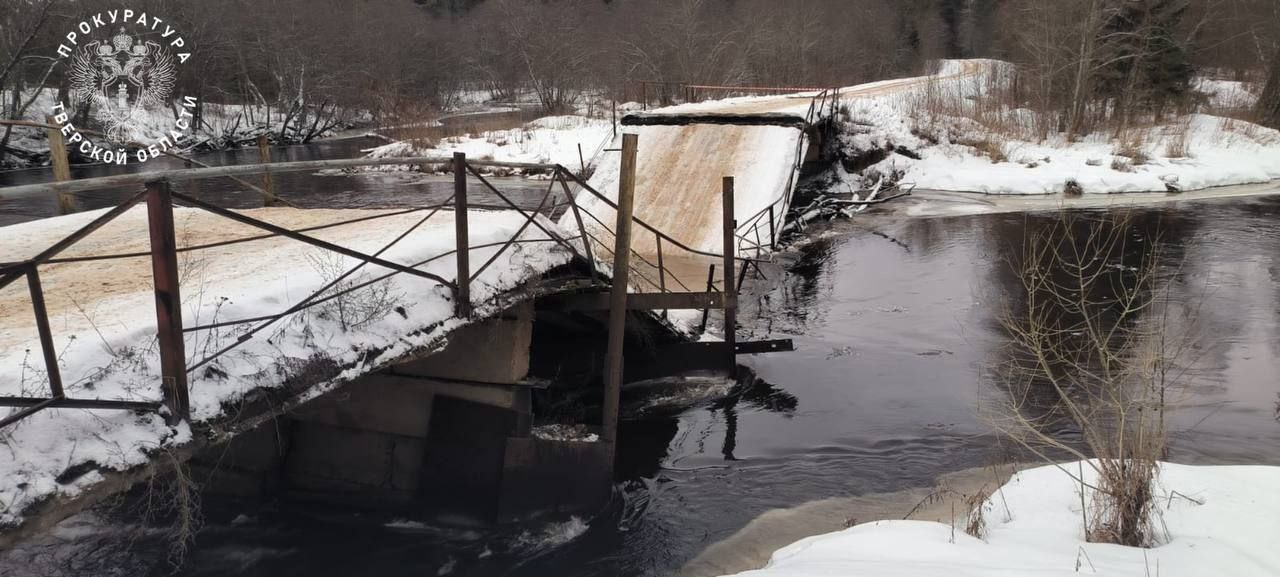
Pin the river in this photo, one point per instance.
(895, 319)
(305, 189)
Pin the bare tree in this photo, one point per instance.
(1268, 107)
(20, 26)
(1092, 364)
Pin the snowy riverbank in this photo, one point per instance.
(570, 141)
(1215, 521)
(941, 134)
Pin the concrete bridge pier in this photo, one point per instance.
(444, 438)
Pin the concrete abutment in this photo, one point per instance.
(444, 438)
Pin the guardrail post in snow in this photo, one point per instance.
(462, 303)
(618, 294)
(164, 271)
(730, 291)
(61, 166)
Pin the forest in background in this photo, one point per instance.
(1086, 61)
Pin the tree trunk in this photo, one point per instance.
(1268, 108)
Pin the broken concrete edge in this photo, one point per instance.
(254, 408)
(764, 119)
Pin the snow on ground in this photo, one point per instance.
(103, 317)
(1219, 521)
(957, 153)
(547, 140)
(1227, 94)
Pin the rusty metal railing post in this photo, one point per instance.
(662, 272)
(577, 217)
(462, 304)
(46, 336)
(618, 293)
(164, 271)
(730, 291)
(711, 285)
(773, 235)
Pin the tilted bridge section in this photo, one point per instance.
(211, 367)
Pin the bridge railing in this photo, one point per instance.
(160, 199)
(762, 230)
(666, 93)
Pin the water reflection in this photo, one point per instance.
(755, 392)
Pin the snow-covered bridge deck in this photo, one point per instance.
(267, 298)
(130, 333)
(686, 150)
(760, 140)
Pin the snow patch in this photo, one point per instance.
(1219, 521)
(953, 153)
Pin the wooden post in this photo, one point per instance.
(268, 184)
(730, 291)
(615, 119)
(46, 336)
(462, 237)
(582, 164)
(164, 272)
(61, 166)
(618, 294)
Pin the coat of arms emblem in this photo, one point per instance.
(121, 80)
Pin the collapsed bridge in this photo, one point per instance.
(149, 334)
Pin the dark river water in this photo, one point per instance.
(895, 322)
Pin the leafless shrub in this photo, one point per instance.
(165, 505)
(353, 306)
(1133, 146)
(991, 147)
(975, 504)
(1092, 355)
(1177, 140)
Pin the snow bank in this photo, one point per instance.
(1227, 94)
(547, 140)
(1219, 521)
(956, 153)
(104, 319)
